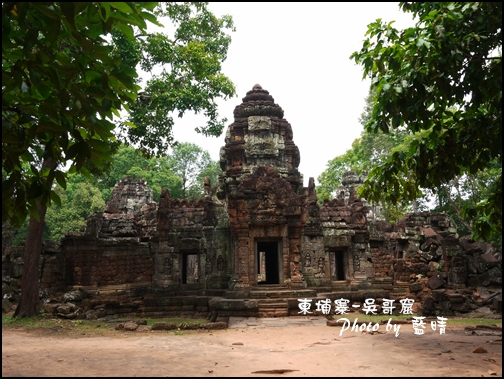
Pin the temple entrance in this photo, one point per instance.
(190, 269)
(339, 263)
(267, 261)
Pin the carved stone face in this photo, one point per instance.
(256, 123)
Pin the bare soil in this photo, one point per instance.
(306, 350)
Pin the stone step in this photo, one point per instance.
(268, 287)
(263, 308)
(282, 294)
(272, 303)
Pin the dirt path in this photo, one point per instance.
(312, 350)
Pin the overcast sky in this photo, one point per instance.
(300, 52)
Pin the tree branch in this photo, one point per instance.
(457, 211)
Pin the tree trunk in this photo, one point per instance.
(29, 302)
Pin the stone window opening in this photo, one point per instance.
(402, 246)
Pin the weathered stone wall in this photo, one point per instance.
(195, 228)
(265, 207)
(52, 269)
(129, 196)
(336, 235)
(91, 262)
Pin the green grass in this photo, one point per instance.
(474, 321)
(81, 326)
(27, 322)
(44, 322)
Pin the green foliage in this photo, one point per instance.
(442, 81)
(466, 191)
(130, 161)
(69, 68)
(80, 199)
(181, 172)
(190, 79)
(366, 151)
(192, 164)
(61, 87)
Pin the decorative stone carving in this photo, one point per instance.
(307, 259)
(356, 263)
(221, 264)
(167, 267)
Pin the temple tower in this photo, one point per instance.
(262, 187)
(259, 136)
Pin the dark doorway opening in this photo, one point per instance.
(190, 268)
(338, 265)
(267, 263)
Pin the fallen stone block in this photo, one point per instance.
(130, 326)
(163, 326)
(214, 325)
(6, 305)
(72, 296)
(415, 287)
(51, 308)
(143, 328)
(435, 282)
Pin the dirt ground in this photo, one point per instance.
(307, 350)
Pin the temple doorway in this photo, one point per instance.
(339, 263)
(267, 260)
(190, 268)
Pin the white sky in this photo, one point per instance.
(300, 52)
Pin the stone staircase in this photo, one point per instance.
(273, 307)
(276, 300)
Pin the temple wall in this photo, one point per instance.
(91, 262)
(192, 247)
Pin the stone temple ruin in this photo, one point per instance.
(257, 242)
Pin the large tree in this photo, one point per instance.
(442, 81)
(130, 161)
(78, 201)
(184, 69)
(190, 162)
(366, 151)
(63, 81)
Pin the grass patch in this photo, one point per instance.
(55, 324)
(27, 322)
(47, 324)
(474, 321)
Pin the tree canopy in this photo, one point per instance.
(191, 164)
(184, 67)
(442, 81)
(69, 68)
